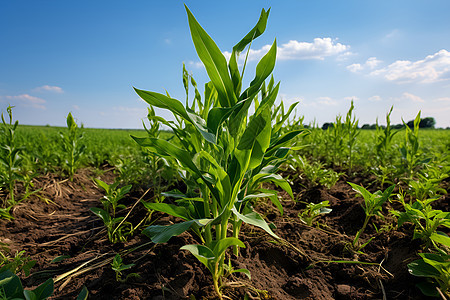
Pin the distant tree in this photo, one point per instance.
(369, 126)
(397, 126)
(428, 122)
(325, 126)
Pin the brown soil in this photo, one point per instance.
(57, 221)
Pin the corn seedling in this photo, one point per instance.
(383, 140)
(71, 143)
(372, 206)
(426, 221)
(313, 211)
(117, 230)
(436, 268)
(223, 152)
(10, 159)
(118, 267)
(11, 288)
(18, 263)
(412, 160)
(113, 194)
(351, 130)
(315, 172)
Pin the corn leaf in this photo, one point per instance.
(202, 253)
(213, 60)
(263, 70)
(254, 219)
(221, 246)
(173, 210)
(255, 141)
(161, 234)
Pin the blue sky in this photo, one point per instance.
(84, 57)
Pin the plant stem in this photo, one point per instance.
(366, 221)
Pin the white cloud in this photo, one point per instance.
(370, 63)
(196, 64)
(355, 68)
(319, 49)
(49, 88)
(411, 97)
(375, 98)
(443, 99)
(25, 100)
(433, 68)
(391, 35)
(76, 107)
(354, 98)
(327, 101)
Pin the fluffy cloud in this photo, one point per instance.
(25, 100)
(411, 97)
(49, 88)
(375, 98)
(319, 49)
(351, 98)
(327, 101)
(433, 68)
(370, 64)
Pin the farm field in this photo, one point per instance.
(238, 200)
(306, 263)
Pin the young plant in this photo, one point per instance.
(160, 167)
(222, 151)
(351, 130)
(412, 160)
(118, 230)
(315, 172)
(436, 268)
(10, 159)
(18, 263)
(383, 142)
(113, 194)
(313, 211)
(372, 206)
(426, 221)
(73, 149)
(11, 288)
(118, 267)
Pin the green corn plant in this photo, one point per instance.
(160, 167)
(73, 149)
(336, 133)
(313, 211)
(118, 267)
(315, 172)
(383, 140)
(10, 158)
(11, 288)
(412, 160)
(426, 221)
(117, 229)
(19, 263)
(222, 151)
(372, 206)
(385, 169)
(436, 268)
(351, 131)
(113, 194)
(427, 185)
